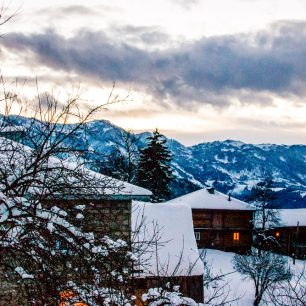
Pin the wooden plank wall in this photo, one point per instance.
(217, 228)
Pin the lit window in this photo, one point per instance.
(277, 234)
(236, 236)
(197, 235)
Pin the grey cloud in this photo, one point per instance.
(210, 70)
(147, 35)
(79, 10)
(71, 10)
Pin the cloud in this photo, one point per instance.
(149, 35)
(71, 10)
(210, 70)
(186, 4)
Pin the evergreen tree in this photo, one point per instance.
(154, 171)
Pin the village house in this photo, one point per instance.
(105, 213)
(170, 254)
(290, 235)
(220, 221)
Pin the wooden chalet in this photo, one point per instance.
(290, 235)
(172, 255)
(220, 221)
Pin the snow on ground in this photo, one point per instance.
(221, 263)
(222, 160)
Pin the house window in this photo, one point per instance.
(197, 235)
(236, 236)
(277, 234)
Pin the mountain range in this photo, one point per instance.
(229, 166)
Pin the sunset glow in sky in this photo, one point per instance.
(199, 70)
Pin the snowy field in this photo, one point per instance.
(221, 263)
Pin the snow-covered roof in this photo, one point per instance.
(111, 186)
(118, 187)
(203, 199)
(290, 217)
(170, 229)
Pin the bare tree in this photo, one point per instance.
(44, 248)
(266, 216)
(6, 12)
(265, 269)
(217, 290)
(132, 154)
(122, 162)
(291, 292)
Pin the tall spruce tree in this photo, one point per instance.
(154, 171)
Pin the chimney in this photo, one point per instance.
(229, 197)
(211, 190)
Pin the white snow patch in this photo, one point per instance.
(259, 157)
(222, 263)
(79, 216)
(222, 160)
(303, 194)
(23, 273)
(239, 188)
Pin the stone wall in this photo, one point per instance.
(103, 217)
(109, 217)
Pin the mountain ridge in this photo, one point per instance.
(231, 166)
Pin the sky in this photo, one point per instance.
(199, 70)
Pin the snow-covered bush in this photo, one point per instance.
(169, 295)
(43, 246)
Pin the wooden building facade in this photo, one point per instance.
(226, 230)
(220, 221)
(289, 237)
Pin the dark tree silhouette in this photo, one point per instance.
(265, 269)
(154, 171)
(266, 215)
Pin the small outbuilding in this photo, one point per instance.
(290, 234)
(164, 242)
(220, 221)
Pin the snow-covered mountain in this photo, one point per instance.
(229, 166)
(234, 166)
